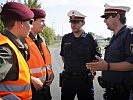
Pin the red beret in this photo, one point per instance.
(16, 11)
(38, 13)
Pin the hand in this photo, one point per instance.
(100, 65)
(37, 83)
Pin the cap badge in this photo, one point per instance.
(73, 12)
(73, 16)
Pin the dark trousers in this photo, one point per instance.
(112, 95)
(43, 94)
(81, 87)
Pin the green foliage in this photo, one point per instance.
(48, 35)
(91, 33)
(1, 27)
(32, 3)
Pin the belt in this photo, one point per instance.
(113, 86)
(75, 75)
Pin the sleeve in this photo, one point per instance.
(96, 48)
(7, 71)
(62, 45)
(129, 48)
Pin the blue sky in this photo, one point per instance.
(57, 18)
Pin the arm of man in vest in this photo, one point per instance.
(38, 84)
(8, 70)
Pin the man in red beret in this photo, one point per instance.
(14, 71)
(40, 58)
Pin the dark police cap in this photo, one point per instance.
(38, 13)
(114, 10)
(16, 11)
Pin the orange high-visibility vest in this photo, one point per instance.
(39, 68)
(21, 87)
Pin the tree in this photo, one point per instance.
(1, 24)
(48, 35)
(32, 3)
(1, 27)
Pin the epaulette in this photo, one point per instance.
(131, 29)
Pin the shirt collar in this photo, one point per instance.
(83, 34)
(14, 39)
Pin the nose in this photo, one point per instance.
(105, 20)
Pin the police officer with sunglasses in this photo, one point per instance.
(117, 65)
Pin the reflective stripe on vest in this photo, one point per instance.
(12, 88)
(21, 87)
(37, 70)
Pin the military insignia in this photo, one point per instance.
(131, 48)
(83, 35)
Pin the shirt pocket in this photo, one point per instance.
(67, 51)
(116, 54)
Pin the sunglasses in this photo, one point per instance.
(113, 15)
(31, 21)
(107, 16)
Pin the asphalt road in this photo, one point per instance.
(58, 67)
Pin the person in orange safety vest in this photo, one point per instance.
(14, 71)
(40, 59)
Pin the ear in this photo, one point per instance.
(83, 23)
(118, 16)
(20, 23)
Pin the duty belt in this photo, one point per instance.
(122, 86)
(77, 75)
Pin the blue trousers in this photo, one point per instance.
(80, 87)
